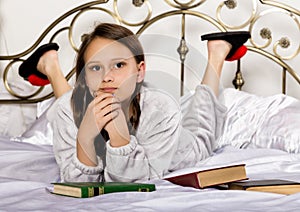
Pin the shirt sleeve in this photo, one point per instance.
(64, 145)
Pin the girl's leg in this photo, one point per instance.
(217, 52)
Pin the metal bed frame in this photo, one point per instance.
(190, 8)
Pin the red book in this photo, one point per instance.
(210, 177)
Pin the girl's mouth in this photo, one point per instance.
(111, 90)
(108, 90)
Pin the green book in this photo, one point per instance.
(90, 189)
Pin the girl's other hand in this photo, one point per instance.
(99, 113)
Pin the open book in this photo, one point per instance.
(208, 177)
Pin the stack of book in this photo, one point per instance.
(209, 177)
(232, 177)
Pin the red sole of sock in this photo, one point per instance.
(239, 53)
(35, 80)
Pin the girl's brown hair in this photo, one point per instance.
(81, 96)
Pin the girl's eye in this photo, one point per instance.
(119, 65)
(95, 68)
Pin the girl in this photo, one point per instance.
(112, 127)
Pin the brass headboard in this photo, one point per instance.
(258, 10)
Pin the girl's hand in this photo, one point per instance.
(118, 130)
(99, 112)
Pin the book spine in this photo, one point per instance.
(137, 188)
(95, 191)
(91, 191)
(186, 180)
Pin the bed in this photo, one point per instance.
(28, 166)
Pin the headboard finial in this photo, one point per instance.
(138, 3)
(230, 4)
(266, 33)
(284, 42)
(238, 81)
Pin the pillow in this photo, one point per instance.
(265, 122)
(15, 118)
(40, 132)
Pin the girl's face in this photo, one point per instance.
(110, 67)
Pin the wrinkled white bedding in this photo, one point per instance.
(267, 122)
(263, 122)
(28, 166)
(26, 170)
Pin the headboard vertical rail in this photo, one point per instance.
(283, 80)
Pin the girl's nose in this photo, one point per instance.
(108, 77)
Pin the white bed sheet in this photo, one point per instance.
(26, 170)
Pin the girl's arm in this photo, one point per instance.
(64, 144)
(103, 112)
